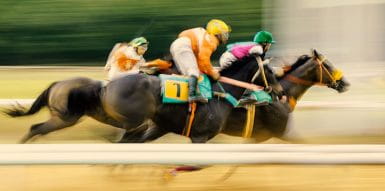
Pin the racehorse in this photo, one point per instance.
(129, 101)
(271, 120)
(135, 98)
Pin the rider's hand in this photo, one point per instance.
(283, 99)
(266, 61)
(215, 75)
(268, 89)
(278, 71)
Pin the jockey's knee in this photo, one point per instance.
(193, 72)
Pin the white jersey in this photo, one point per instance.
(123, 60)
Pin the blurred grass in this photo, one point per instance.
(29, 83)
(81, 32)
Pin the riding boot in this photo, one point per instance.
(193, 95)
(249, 98)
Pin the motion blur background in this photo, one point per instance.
(81, 32)
(73, 33)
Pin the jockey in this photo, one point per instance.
(258, 47)
(192, 50)
(126, 58)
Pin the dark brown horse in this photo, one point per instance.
(271, 120)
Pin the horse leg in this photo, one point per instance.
(133, 135)
(153, 133)
(146, 132)
(53, 124)
(199, 139)
(262, 135)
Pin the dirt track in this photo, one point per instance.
(256, 177)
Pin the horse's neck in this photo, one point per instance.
(235, 91)
(293, 89)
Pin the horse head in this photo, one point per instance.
(328, 74)
(316, 70)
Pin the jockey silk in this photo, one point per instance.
(192, 51)
(123, 60)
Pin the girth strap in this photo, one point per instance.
(190, 119)
(248, 129)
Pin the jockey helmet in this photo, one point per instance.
(263, 37)
(217, 27)
(140, 41)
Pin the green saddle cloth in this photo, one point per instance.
(262, 96)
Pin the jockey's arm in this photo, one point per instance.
(226, 59)
(256, 50)
(158, 63)
(204, 63)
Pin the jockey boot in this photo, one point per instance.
(249, 98)
(193, 94)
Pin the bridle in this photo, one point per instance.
(334, 77)
(337, 75)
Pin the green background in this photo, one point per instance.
(82, 32)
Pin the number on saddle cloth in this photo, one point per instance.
(175, 88)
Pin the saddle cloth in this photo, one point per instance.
(175, 88)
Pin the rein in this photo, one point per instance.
(240, 84)
(322, 68)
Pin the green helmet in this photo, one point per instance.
(264, 37)
(138, 41)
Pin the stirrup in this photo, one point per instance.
(244, 102)
(200, 99)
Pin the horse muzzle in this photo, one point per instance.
(340, 85)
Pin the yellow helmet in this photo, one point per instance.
(216, 27)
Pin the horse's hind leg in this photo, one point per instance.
(53, 124)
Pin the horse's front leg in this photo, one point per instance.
(205, 130)
(148, 131)
(199, 139)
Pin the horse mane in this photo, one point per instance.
(300, 61)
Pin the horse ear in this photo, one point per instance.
(314, 53)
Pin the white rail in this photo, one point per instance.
(13, 154)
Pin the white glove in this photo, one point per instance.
(278, 71)
(266, 61)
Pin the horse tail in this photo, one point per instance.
(41, 101)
